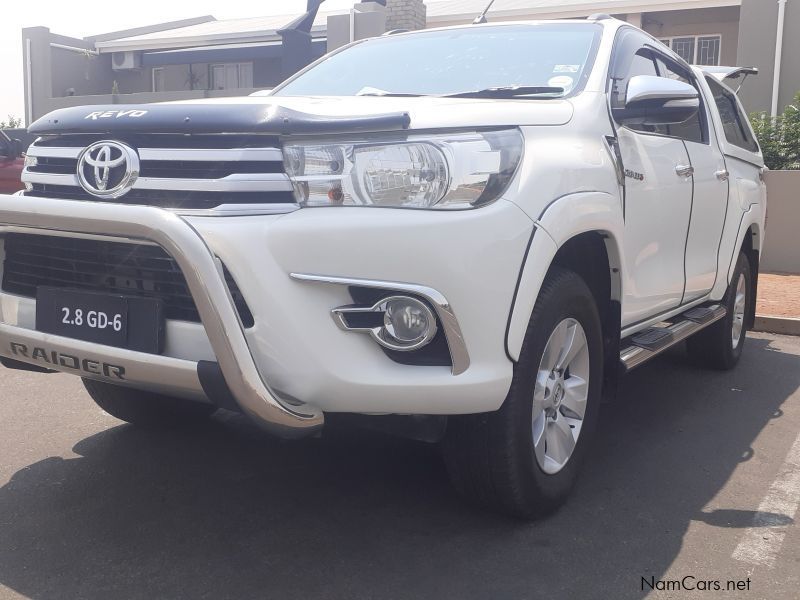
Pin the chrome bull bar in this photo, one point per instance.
(204, 277)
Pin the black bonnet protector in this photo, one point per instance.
(209, 118)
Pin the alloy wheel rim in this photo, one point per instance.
(560, 395)
(739, 304)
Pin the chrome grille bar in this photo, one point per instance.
(239, 182)
(49, 178)
(213, 154)
(219, 173)
(53, 152)
(176, 154)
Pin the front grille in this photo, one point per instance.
(102, 266)
(159, 198)
(176, 171)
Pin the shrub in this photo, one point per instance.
(780, 137)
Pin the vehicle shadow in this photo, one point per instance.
(223, 511)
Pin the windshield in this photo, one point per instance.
(453, 61)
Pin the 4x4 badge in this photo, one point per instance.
(634, 175)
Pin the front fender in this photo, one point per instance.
(561, 220)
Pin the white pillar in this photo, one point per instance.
(634, 19)
(776, 77)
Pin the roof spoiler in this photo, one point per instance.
(734, 77)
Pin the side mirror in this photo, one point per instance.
(654, 100)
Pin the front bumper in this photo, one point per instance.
(295, 363)
(206, 283)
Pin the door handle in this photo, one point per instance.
(684, 170)
(723, 175)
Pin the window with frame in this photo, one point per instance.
(696, 128)
(734, 123)
(642, 63)
(159, 84)
(649, 62)
(696, 49)
(231, 76)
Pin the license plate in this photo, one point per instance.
(109, 319)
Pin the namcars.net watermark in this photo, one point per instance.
(691, 583)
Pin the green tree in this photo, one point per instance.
(11, 123)
(780, 137)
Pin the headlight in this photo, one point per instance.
(447, 171)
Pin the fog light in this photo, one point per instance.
(398, 322)
(408, 323)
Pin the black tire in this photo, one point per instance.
(713, 346)
(146, 409)
(490, 456)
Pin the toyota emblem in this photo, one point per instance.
(108, 169)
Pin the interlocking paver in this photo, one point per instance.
(778, 295)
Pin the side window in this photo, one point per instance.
(696, 128)
(642, 63)
(633, 55)
(734, 123)
(629, 58)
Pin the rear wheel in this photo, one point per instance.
(523, 459)
(720, 345)
(146, 409)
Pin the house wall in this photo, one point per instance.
(780, 253)
(405, 14)
(369, 19)
(267, 73)
(706, 21)
(757, 49)
(62, 78)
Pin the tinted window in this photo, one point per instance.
(642, 63)
(734, 123)
(695, 129)
(456, 60)
(645, 61)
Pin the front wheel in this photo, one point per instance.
(523, 459)
(720, 345)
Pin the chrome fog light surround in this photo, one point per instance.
(459, 354)
(407, 323)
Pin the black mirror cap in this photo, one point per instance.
(658, 111)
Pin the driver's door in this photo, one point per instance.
(658, 197)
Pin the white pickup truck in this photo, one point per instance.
(473, 229)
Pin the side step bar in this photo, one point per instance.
(647, 344)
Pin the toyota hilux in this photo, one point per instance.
(476, 228)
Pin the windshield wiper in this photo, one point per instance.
(512, 91)
(371, 91)
(391, 95)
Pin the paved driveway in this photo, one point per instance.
(693, 475)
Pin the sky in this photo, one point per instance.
(83, 18)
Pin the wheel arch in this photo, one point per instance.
(568, 230)
(751, 247)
